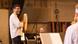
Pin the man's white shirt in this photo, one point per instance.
(14, 24)
(71, 36)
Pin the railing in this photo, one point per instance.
(47, 26)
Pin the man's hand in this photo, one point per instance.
(21, 24)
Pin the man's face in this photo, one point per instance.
(16, 10)
(76, 17)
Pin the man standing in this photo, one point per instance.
(15, 25)
(71, 36)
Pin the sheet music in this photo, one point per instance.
(50, 38)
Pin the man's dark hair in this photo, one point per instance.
(16, 5)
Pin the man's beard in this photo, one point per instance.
(18, 15)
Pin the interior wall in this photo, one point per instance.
(44, 12)
(4, 31)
